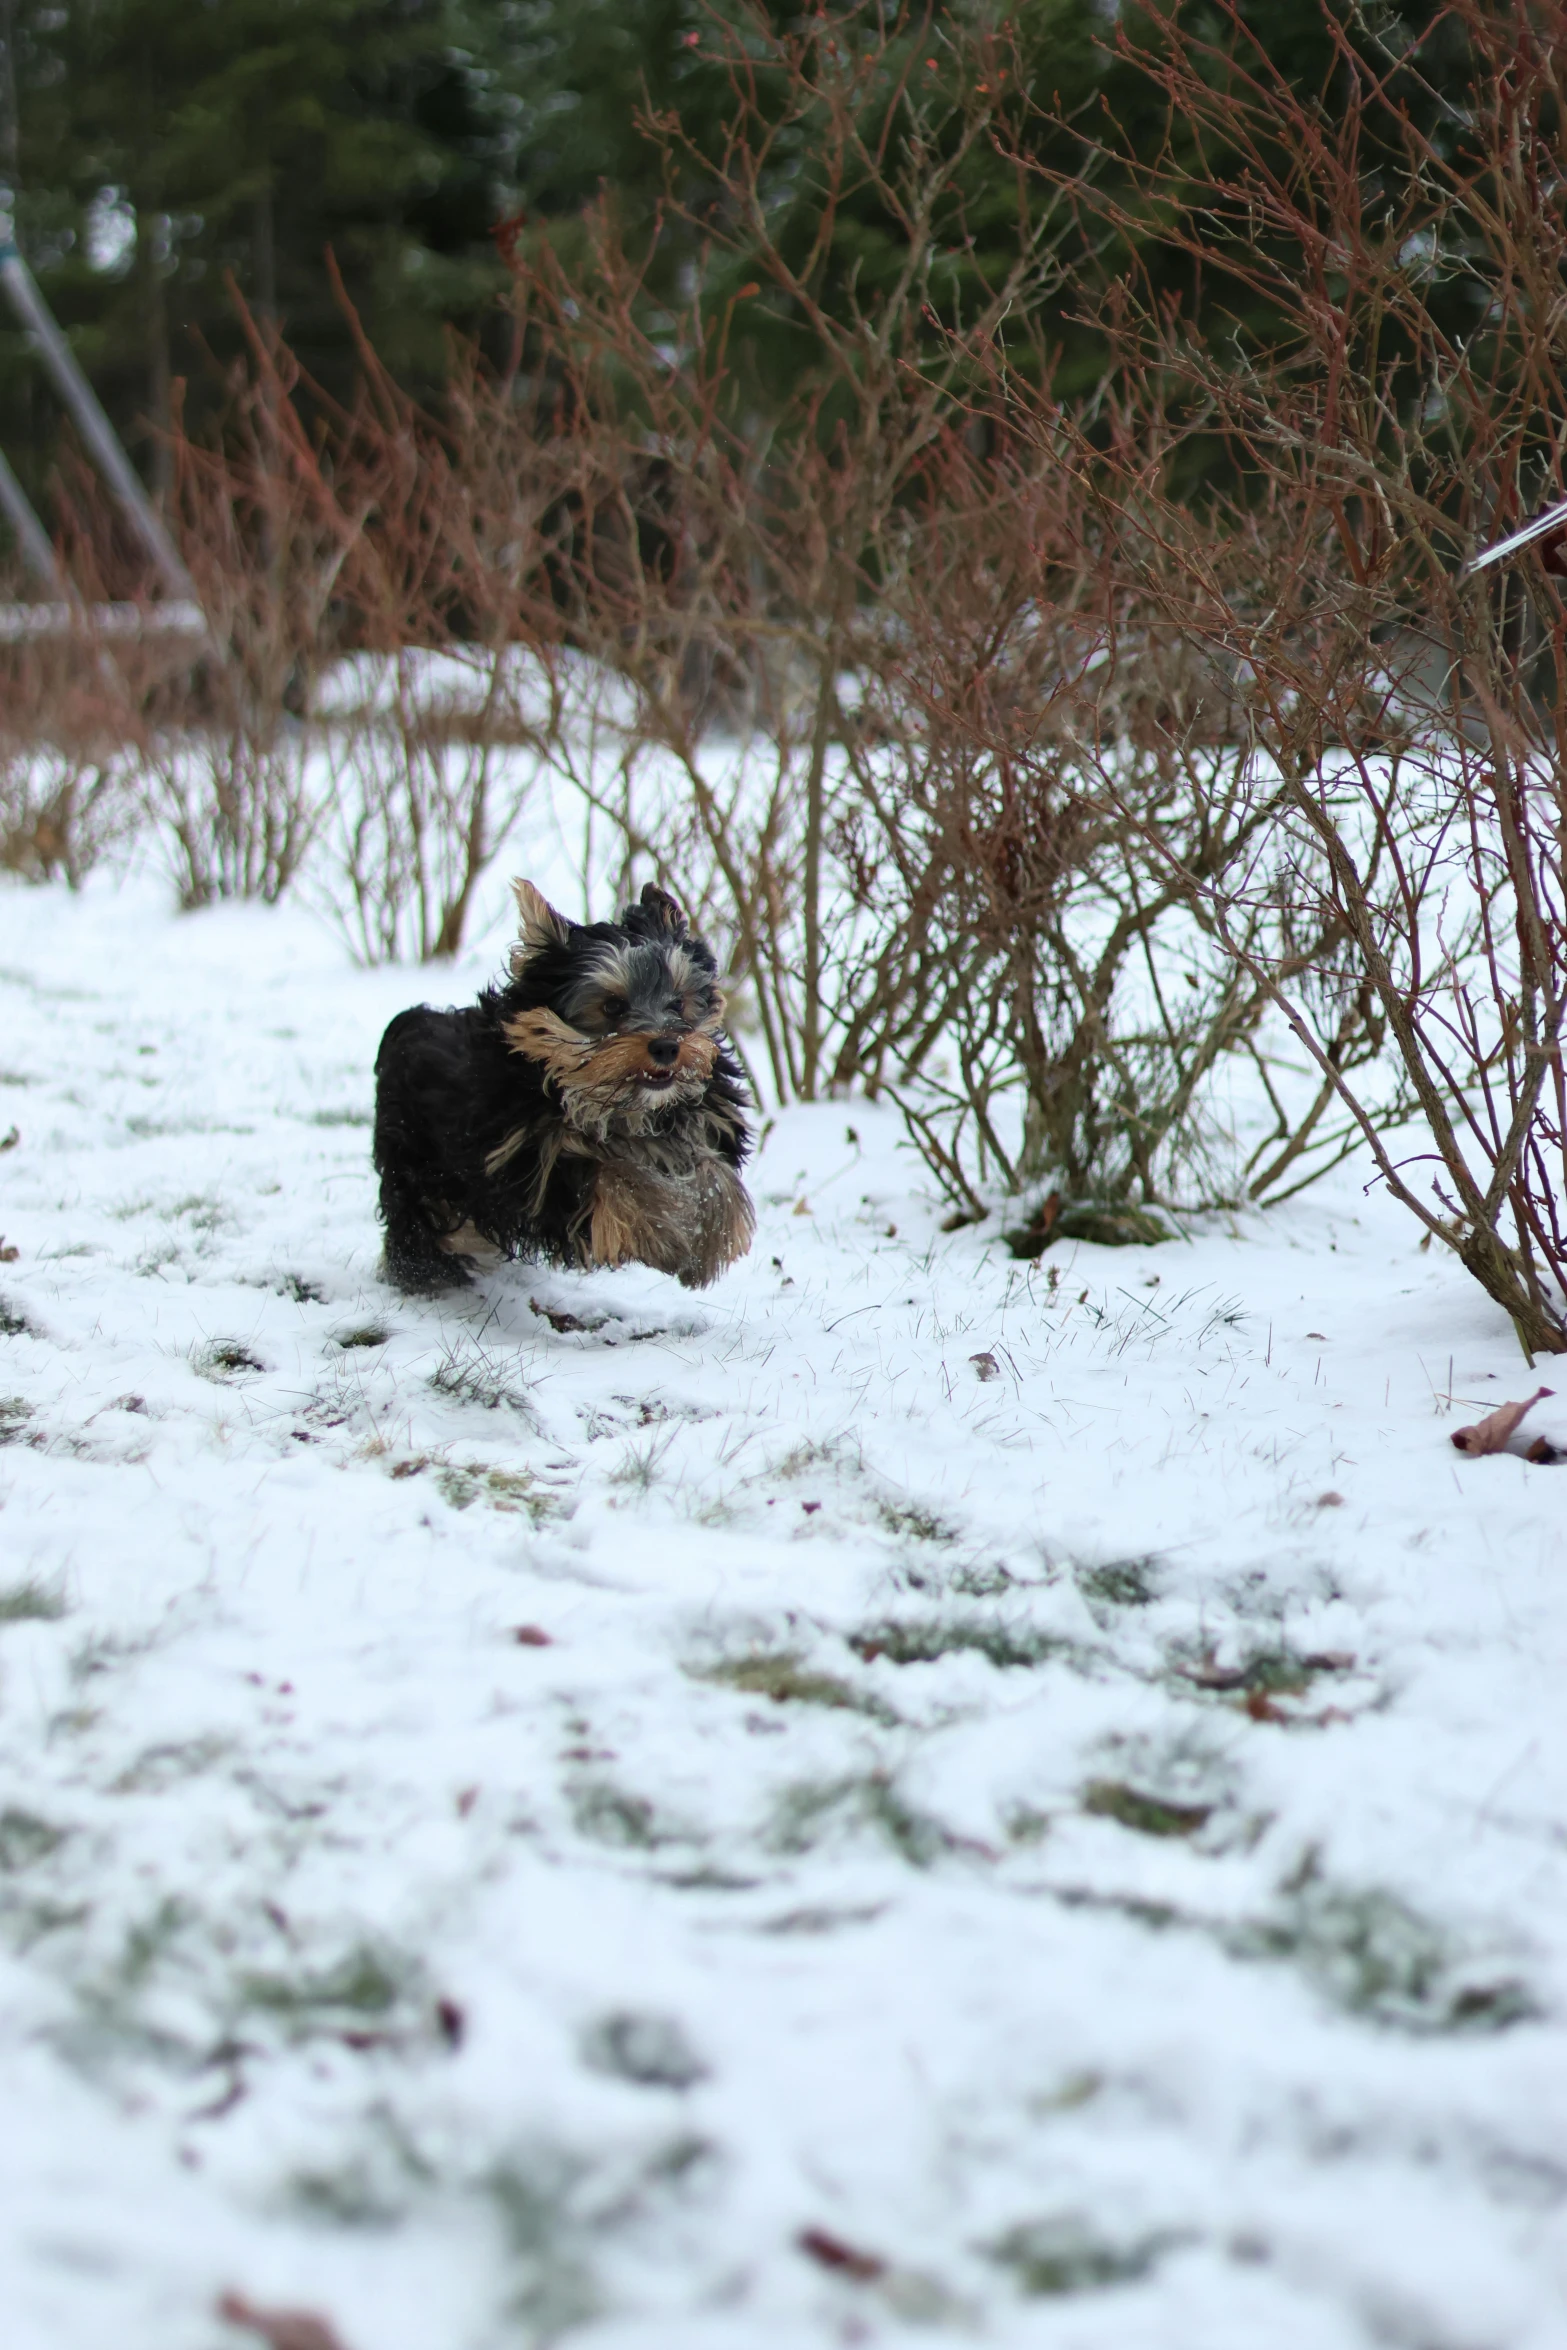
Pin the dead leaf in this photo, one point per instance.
(9, 1252)
(985, 1366)
(556, 1316)
(1491, 1433)
(9, 1140)
(1208, 1675)
(832, 2252)
(280, 2329)
(531, 1636)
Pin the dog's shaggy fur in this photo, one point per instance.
(587, 1112)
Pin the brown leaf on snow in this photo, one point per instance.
(845, 2260)
(280, 2329)
(1208, 1675)
(1491, 1433)
(556, 1316)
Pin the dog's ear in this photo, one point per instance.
(662, 911)
(541, 925)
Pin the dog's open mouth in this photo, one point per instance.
(657, 1080)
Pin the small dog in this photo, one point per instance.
(587, 1113)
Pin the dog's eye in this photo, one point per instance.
(614, 1007)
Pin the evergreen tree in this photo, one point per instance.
(160, 149)
(167, 147)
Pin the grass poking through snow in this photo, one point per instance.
(31, 1602)
(923, 1641)
(783, 1676)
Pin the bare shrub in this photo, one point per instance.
(71, 702)
(1395, 396)
(858, 680)
(265, 532)
(1043, 761)
(1038, 979)
(422, 782)
(431, 766)
(376, 536)
(721, 571)
(66, 789)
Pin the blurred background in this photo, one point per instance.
(167, 159)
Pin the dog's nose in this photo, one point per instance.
(663, 1051)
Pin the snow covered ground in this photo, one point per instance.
(906, 1792)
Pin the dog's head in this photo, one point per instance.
(623, 1016)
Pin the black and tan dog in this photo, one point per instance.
(587, 1112)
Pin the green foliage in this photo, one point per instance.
(1128, 1582)
(366, 1983)
(25, 1839)
(1374, 1955)
(813, 1810)
(1149, 1815)
(922, 1642)
(31, 1602)
(1068, 2254)
(613, 1815)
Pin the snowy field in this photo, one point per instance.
(907, 1795)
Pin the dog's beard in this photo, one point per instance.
(609, 1087)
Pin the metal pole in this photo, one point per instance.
(31, 536)
(91, 422)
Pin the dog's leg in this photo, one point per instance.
(421, 1082)
(616, 1219)
(721, 1227)
(691, 1226)
(415, 1259)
